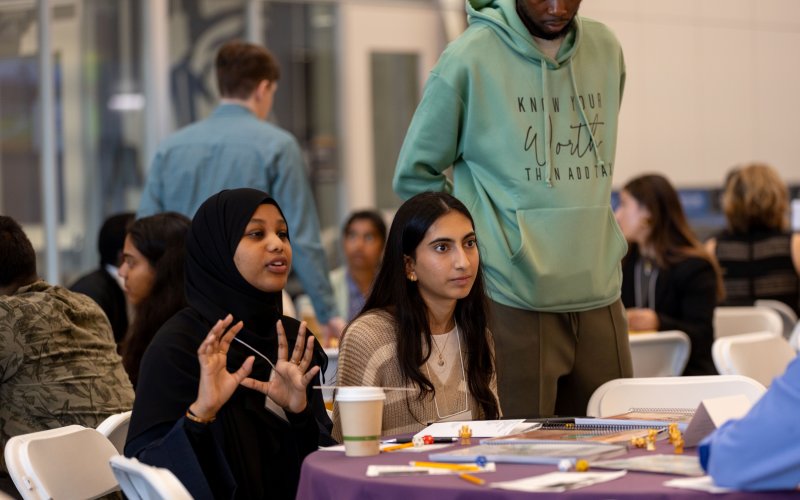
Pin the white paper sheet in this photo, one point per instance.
(557, 482)
(712, 413)
(703, 483)
(412, 470)
(479, 428)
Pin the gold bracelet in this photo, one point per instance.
(194, 418)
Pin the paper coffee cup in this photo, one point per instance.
(361, 415)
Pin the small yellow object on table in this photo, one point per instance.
(465, 434)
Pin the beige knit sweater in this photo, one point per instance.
(368, 357)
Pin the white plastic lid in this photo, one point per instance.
(356, 393)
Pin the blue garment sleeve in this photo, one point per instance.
(190, 451)
(292, 192)
(760, 451)
(152, 197)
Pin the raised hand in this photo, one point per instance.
(216, 382)
(288, 387)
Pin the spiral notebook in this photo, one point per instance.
(599, 434)
(634, 423)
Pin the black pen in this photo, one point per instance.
(436, 440)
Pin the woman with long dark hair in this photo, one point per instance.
(424, 324)
(670, 282)
(152, 267)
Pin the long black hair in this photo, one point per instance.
(399, 296)
(161, 238)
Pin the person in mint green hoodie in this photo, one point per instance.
(524, 106)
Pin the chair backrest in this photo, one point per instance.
(794, 339)
(115, 428)
(145, 482)
(787, 314)
(661, 354)
(68, 462)
(623, 394)
(761, 356)
(737, 320)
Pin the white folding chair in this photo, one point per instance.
(794, 339)
(115, 428)
(736, 320)
(144, 482)
(761, 356)
(660, 354)
(786, 313)
(623, 394)
(64, 463)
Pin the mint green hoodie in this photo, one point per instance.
(532, 141)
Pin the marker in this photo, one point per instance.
(472, 479)
(440, 465)
(436, 440)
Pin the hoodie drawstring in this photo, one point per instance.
(547, 132)
(599, 161)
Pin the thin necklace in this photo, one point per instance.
(439, 350)
(463, 379)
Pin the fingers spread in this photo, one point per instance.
(227, 338)
(308, 353)
(297, 352)
(282, 348)
(244, 370)
(256, 385)
(310, 374)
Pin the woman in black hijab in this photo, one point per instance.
(190, 414)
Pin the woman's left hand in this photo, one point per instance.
(640, 319)
(216, 382)
(288, 387)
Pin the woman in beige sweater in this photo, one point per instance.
(424, 323)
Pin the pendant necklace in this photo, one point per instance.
(439, 351)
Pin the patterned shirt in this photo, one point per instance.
(58, 362)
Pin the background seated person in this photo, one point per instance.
(192, 417)
(363, 240)
(152, 269)
(424, 323)
(669, 281)
(103, 284)
(760, 451)
(58, 359)
(759, 256)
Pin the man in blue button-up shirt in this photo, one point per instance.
(236, 147)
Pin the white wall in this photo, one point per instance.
(710, 83)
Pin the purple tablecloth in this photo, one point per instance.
(331, 475)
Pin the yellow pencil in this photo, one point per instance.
(398, 447)
(439, 465)
(472, 479)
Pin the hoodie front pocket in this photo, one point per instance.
(569, 258)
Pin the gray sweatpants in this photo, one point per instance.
(551, 363)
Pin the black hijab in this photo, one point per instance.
(214, 286)
(253, 440)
